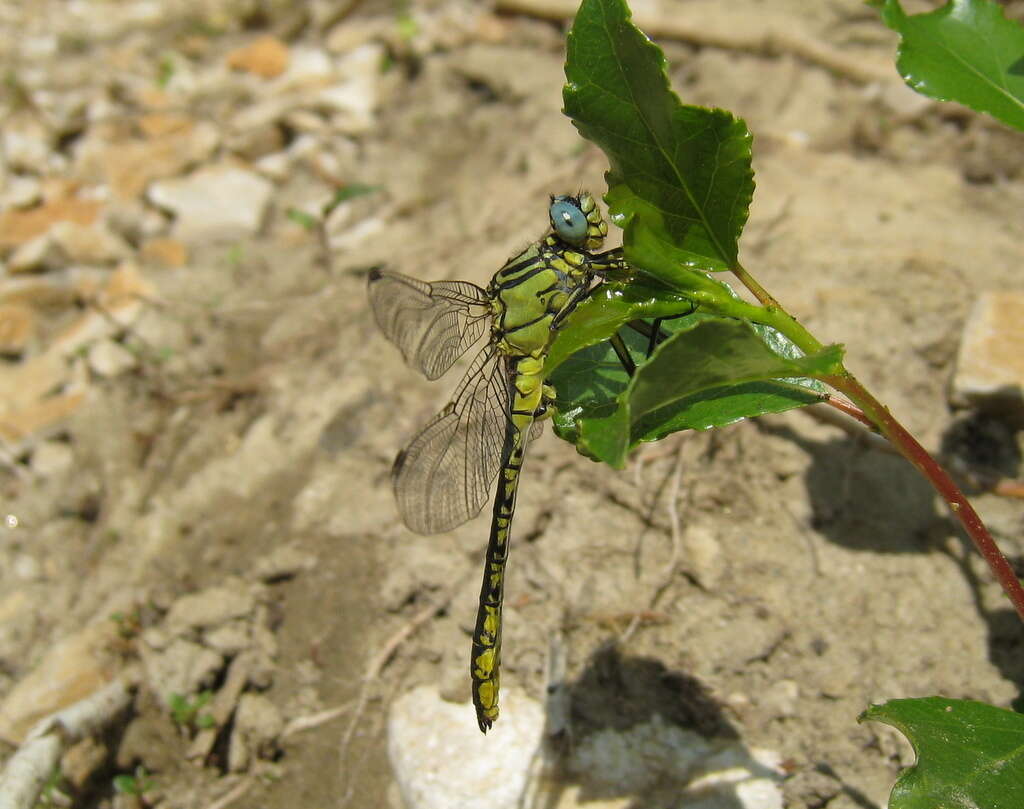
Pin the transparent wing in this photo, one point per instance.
(444, 476)
(433, 324)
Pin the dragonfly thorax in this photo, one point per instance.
(530, 291)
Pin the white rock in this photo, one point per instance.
(67, 243)
(737, 778)
(704, 553)
(440, 760)
(252, 144)
(636, 759)
(782, 698)
(229, 639)
(51, 458)
(990, 365)
(157, 638)
(354, 99)
(305, 66)
(26, 145)
(261, 113)
(304, 146)
(359, 232)
(306, 122)
(351, 33)
(109, 358)
(66, 110)
(41, 254)
(282, 563)
(221, 202)
(183, 668)
(209, 608)
(132, 219)
(20, 192)
(257, 725)
(26, 568)
(897, 97)
(38, 46)
(275, 166)
(88, 244)
(655, 755)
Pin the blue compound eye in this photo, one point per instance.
(568, 220)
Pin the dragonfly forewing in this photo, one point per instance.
(433, 324)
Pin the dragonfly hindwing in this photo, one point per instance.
(443, 477)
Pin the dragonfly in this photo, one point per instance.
(445, 474)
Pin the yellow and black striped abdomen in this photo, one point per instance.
(531, 294)
(485, 660)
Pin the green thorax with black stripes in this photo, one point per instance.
(530, 290)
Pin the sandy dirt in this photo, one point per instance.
(810, 573)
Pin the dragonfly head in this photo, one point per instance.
(577, 221)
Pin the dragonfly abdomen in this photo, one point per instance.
(485, 662)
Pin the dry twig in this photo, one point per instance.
(770, 40)
(673, 564)
(232, 795)
(376, 666)
(310, 721)
(222, 706)
(28, 770)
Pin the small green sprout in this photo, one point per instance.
(185, 711)
(138, 783)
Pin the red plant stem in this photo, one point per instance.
(877, 417)
(910, 449)
(850, 410)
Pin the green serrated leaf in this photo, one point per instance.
(966, 51)
(588, 384)
(648, 249)
(717, 407)
(712, 371)
(969, 754)
(683, 170)
(607, 310)
(716, 352)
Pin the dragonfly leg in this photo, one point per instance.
(608, 262)
(652, 331)
(547, 398)
(575, 297)
(619, 345)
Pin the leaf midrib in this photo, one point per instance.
(722, 254)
